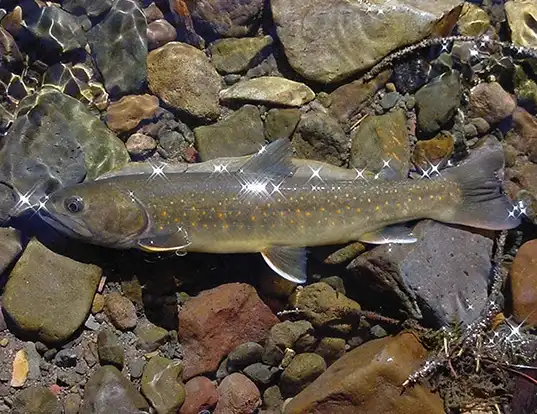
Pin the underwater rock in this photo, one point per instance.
(119, 47)
(302, 371)
(473, 21)
(10, 247)
(441, 278)
(110, 350)
(281, 122)
(92, 8)
(521, 16)
(328, 41)
(56, 141)
(271, 90)
(36, 400)
(491, 102)
(379, 140)
(216, 321)
(241, 133)
(437, 102)
(523, 274)
(244, 355)
(523, 135)
(121, 311)
(237, 55)
(49, 296)
(125, 114)
(319, 137)
(159, 33)
(108, 391)
(162, 386)
(368, 380)
(183, 78)
(225, 18)
(238, 395)
(200, 394)
(434, 150)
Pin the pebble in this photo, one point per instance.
(269, 90)
(320, 137)
(522, 279)
(150, 336)
(10, 248)
(285, 334)
(437, 102)
(110, 350)
(20, 369)
(434, 150)
(482, 125)
(127, 113)
(160, 32)
(92, 324)
(98, 303)
(65, 358)
(137, 368)
(262, 375)
(237, 394)
(244, 355)
(281, 122)
(200, 394)
(34, 400)
(491, 102)
(237, 55)
(71, 403)
(303, 370)
(121, 311)
(161, 384)
(48, 296)
(272, 399)
(34, 361)
(520, 15)
(216, 321)
(523, 135)
(108, 391)
(183, 78)
(389, 100)
(152, 13)
(473, 20)
(239, 134)
(323, 307)
(331, 349)
(365, 381)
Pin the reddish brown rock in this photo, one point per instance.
(140, 145)
(523, 283)
(368, 380)
(216, 321)
(237, 394)
(121, 311)
(523, 136)
(491, 102)
(525, 176)
(125, 114)
(200, 394)
(159, 33)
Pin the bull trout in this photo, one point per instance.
(266, 207)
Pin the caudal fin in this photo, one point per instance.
(484, 203)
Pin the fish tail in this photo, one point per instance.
(484, 203)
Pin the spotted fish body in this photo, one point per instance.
(266, 206)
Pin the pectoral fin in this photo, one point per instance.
(165, 241)
(288, 262)
(396, 233)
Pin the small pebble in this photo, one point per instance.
(4, 342)
(140, 145)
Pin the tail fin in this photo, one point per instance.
(480, 178)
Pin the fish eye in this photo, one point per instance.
(74, 204)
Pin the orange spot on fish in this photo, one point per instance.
(297, 211)
(252, 218)
(322, 209)
(220, 215)
(358, 210)
(308, 214)
(338, 211)
(164, 213)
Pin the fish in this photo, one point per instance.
(268, 203)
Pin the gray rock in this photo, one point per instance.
(272, 399)
(150, 336)
(328, 41)
(48, 296)
(65, 358)
(109, 391)
(34, 360)
(183, 78)
(389, 100)
(380, 139)
(272, 90)
(71, 403)
(161, 384)
(110, 350)
(10, 246)
(56, 141)
(272, 353)
(261, 374)
(55, 29)
(336, 282)
(237, 55)
(437, 102)
(119, 47)
(36, 400)
(225, 18)
(281, 123)
(159, 33)
(319, 137)
(137, 368)
(239, 134)
(244, 355)
(68, 378)
(442, 278)
(91, 8)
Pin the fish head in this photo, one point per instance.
(96, 212)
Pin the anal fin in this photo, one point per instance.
(288, 262)
(396, 233)
(165, 241)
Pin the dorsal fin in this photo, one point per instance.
(274, 159)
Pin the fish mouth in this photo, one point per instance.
(66, 225)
